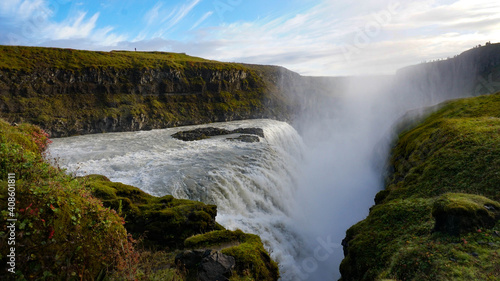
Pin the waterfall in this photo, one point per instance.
(253, 184)
(299, 193)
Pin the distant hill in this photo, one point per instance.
(474, 71)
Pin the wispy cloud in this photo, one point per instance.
(202, 19)
(314, 42)
(78, 27)
(22, 10)
(30, 22)
(161, 18)
(152, 15)
(182, 12)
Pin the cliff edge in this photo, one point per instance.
(72, 92)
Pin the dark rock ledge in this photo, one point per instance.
(249, 134)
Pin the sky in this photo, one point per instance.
(311, 37)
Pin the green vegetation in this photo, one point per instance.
(252, 260)
(454, 150)
(93, 229)
(438, 218)
(62, 231)
(33, 58)
(71, 92)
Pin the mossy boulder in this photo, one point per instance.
(184, 224)
(252, 260)
(458, 213)
(160, 221)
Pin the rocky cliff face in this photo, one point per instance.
(475, 71)
(70, 92)
(106, 98)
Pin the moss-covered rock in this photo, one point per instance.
(454, 150)
(446, 179)
(458, 213)
(252, 260)
(160, 221)
(176, 224)
(369, 244)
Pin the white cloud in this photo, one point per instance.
(22, 10)
(80, 30)
(182, 12)
(76, 27)
(30, 8)
(338, 39)
(332, 38)
(30, 22)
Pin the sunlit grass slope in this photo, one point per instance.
(32, 58)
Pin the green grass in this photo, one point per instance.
(215, 238)
(454, 150)
(34, 58)
(449, 164)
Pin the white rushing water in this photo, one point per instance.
(253, 184)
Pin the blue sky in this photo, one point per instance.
(311, 37)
